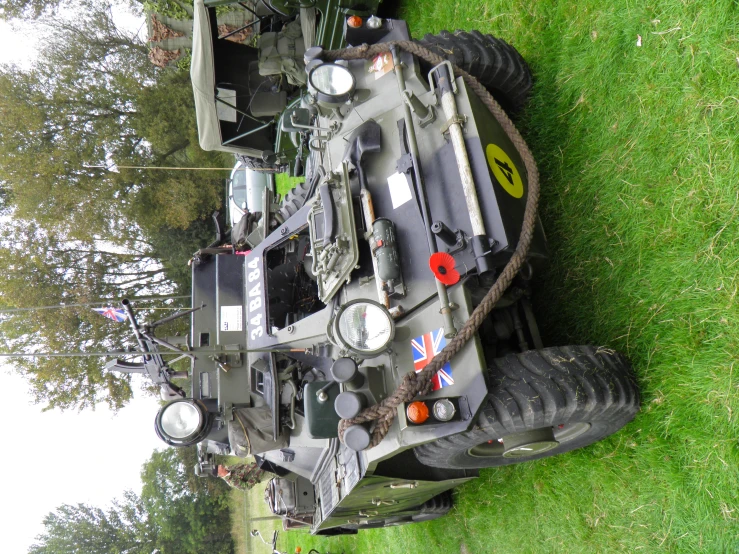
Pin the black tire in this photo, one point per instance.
(434, 508)
(578, 394)
(293, 201)
(494, 62)
(336, 531)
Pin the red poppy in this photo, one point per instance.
(442, 265)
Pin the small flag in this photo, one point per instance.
(116, 314)
(424, 349)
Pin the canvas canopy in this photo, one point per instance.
(205, 86)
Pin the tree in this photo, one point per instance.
(40, 269)
(72, 109)
(81, 233)
(187, 511)
(92, 97)
(82, 529)
(174, 513)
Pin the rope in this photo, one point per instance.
(415, 384)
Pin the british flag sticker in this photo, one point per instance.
(424, 349)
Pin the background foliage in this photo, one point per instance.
(177, 513)
(80, 233)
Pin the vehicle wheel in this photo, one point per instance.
(542, 403)
(434, 508)
(336, 531)
(293, 201)
(494, 62)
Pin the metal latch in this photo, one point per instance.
(409, 485)
(367, 513)
(381, 502)
(425, 114)
(435, 69)
(458, 118)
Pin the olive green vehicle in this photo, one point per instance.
(242, 89)
(317, 307)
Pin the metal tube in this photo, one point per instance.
(138, 353)
(463, 163)
(229, 141)
(446, 312)
(368, 211)
(99, 303)
(135, 327)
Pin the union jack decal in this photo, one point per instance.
(424, 349)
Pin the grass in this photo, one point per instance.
(245, 506)
(284, 182)
(639, 160)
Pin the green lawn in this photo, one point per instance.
(638, 155)
(246, 507)
(284, 182)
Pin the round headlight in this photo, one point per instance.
(182, 422)
(364, 327)
(333, 83)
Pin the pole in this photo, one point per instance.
(157, 167)
(140, 353)
(88, 304)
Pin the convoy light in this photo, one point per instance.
(182, 422)
(332, 82)
(444, 409)
(364, 327)
(417, 412)
(374, 22)
(354, 21)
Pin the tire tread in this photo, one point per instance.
(542, 388)
(494, 62)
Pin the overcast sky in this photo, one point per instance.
(55, 458)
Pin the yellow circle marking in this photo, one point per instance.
(504, 170)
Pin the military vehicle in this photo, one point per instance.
(242, 88)
(411, 244)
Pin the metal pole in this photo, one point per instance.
(463, 162)
(157, 167)
(89, 304)
(140, 353)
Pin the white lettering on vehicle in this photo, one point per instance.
(255, 307)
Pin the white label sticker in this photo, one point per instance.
(232, 318)
(400, 192)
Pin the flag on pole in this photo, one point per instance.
(116, 314)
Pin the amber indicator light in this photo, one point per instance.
(417, 412)
(354, 21)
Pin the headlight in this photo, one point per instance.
(333, 83)
(182, 422)
(364, 327)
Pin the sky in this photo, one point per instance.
(53, 458)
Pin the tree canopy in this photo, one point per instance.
(78, 233)
(175, 513)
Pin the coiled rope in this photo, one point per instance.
(415, 384)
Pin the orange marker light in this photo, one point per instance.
(354, 21)
(417, 412)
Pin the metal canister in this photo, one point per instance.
(385, 250)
